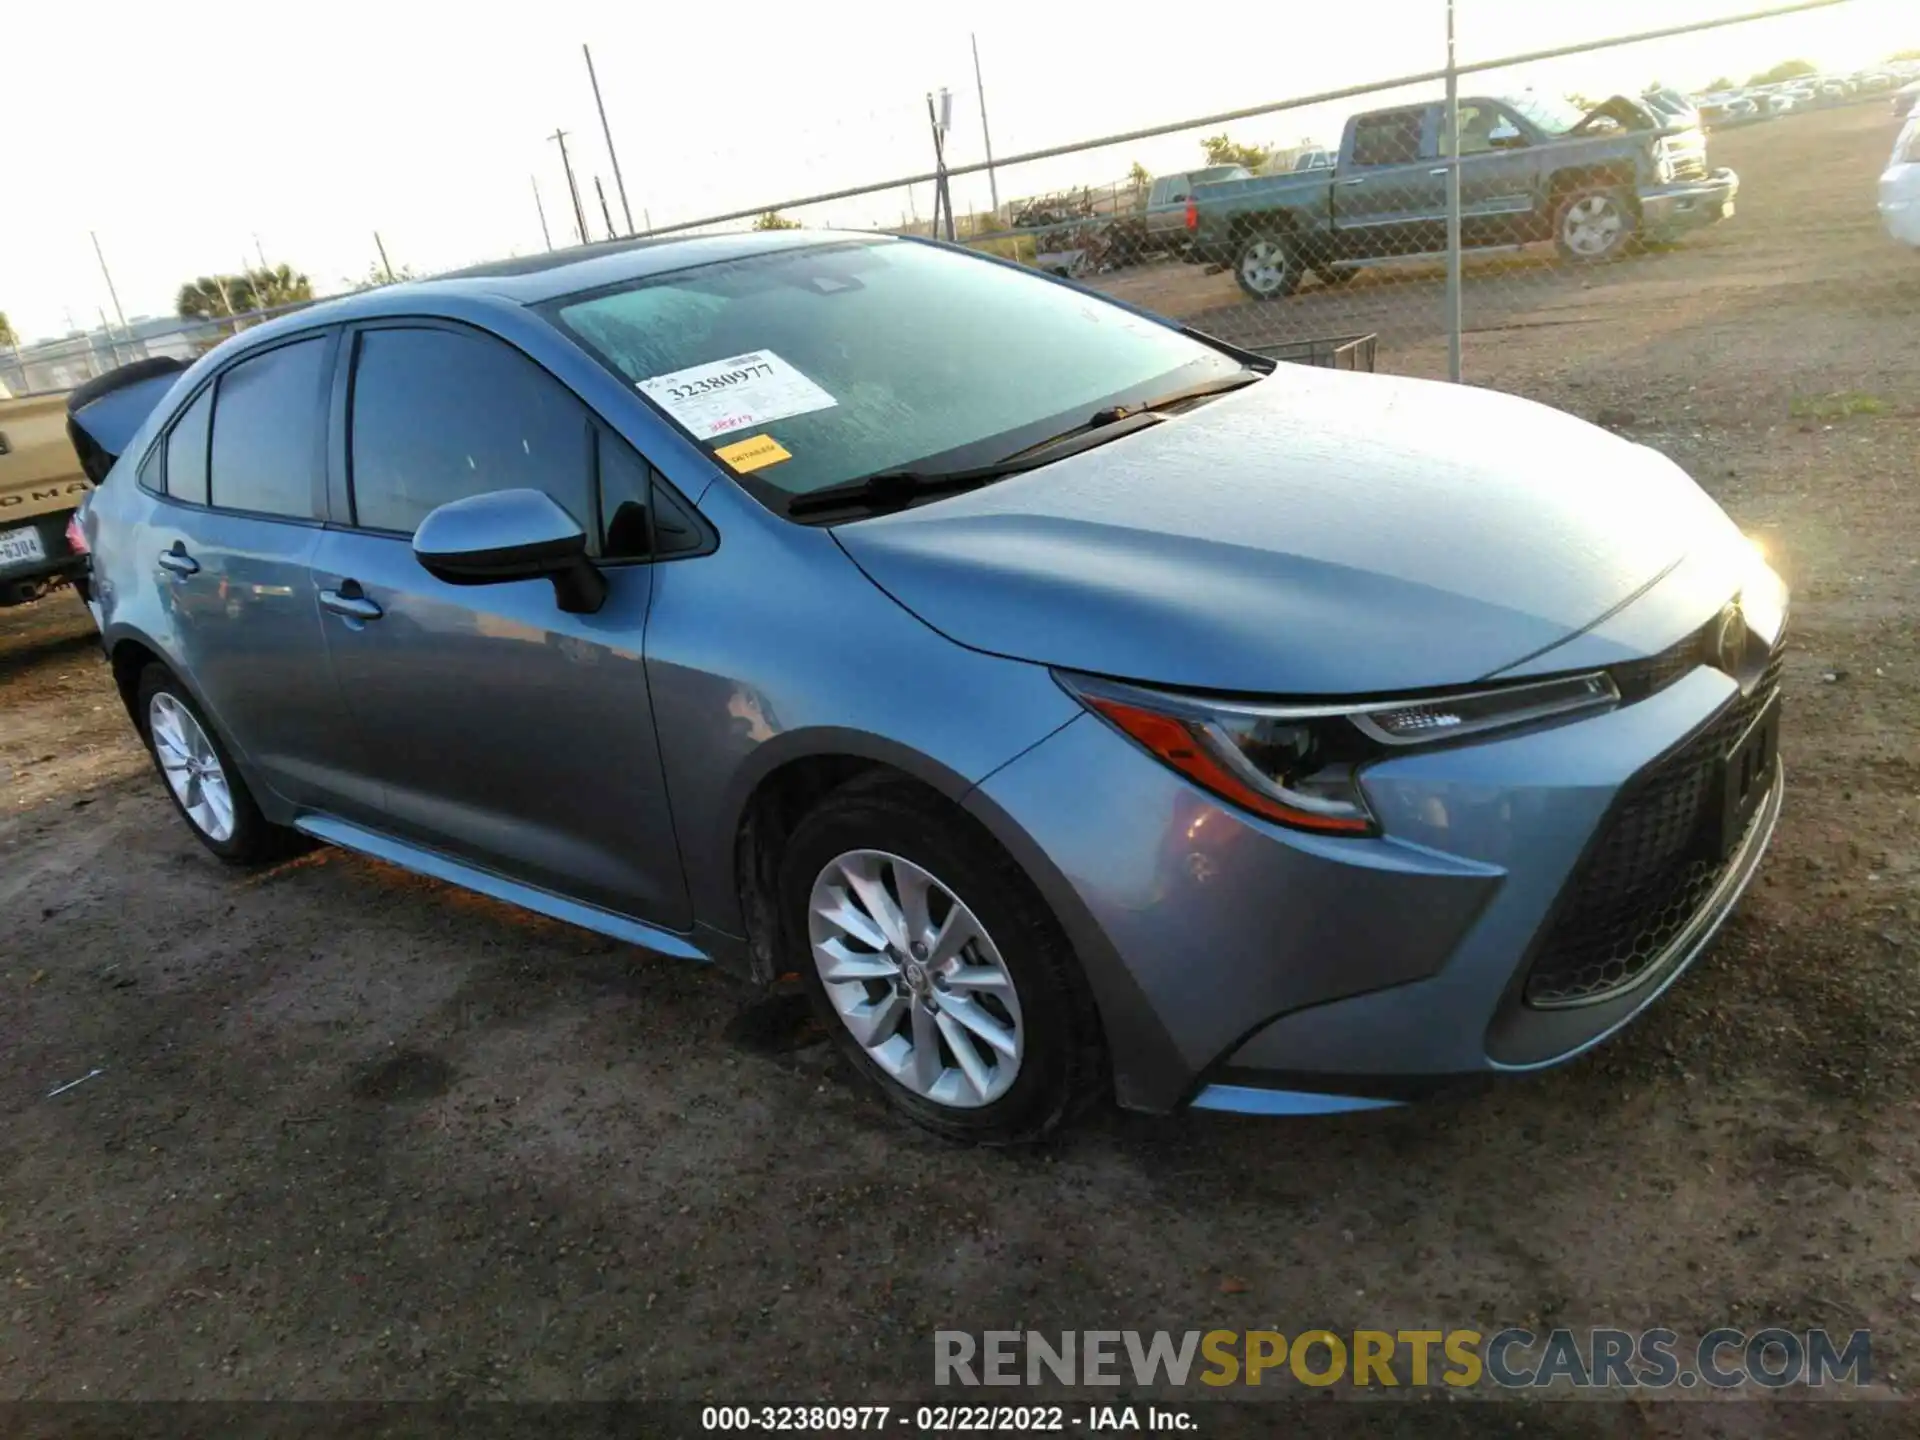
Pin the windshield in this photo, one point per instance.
(1546, 113)
(1219, 172)
(812, 367)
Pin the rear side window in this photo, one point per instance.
(439, 415)
(269, 433)
(187, 451)
(1390, 138)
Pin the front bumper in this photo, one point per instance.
(1670, 210)
(1241, 965)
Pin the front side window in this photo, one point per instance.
(269, 431)
(440, 415)
(805, 368)
(1548, 114)
(187, 451)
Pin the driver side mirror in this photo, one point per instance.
(511, 535)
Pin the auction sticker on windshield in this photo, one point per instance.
(725, 395)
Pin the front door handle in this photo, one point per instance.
(1357, 180)
(348, 601)
(1441, 171)
(178, 562)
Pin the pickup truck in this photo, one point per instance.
(54, 447)
(1531, 168)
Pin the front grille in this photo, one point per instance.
(1649, 872)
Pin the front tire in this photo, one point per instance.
(1594, 224)
(1266, 266)
(937, 968)
(205, 785)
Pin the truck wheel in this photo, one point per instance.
(1594, 223)
(1266, 266)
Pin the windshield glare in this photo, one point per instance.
(1548, 114)
(874, 354)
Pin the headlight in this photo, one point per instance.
(1300, 764)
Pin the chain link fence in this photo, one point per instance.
(1566, 221)
(1566, 224)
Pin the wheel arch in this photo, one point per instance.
(788, 777)
(1612, 174)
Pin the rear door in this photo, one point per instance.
(502, 730)
(1389, 194)
(240, 481)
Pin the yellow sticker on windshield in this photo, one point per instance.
(745, 455)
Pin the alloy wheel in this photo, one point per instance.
(1593, 225)
(1263, 266)
(192, 768)
(915, 978)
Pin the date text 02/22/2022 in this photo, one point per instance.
(948, 1419)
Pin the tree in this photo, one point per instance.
(1785, 70)
(1725, 82)
(211, 297)
(1899, 55)
(7, 335)
(1139, 176)
(1222, 151)
(774, 220)
(377, 276)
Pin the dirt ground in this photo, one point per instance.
(356, 1134)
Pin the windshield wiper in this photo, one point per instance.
(890, 489)
(1172, 398)
(894, 488)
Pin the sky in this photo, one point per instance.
(202, 135)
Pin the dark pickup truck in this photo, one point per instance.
(1531, 168)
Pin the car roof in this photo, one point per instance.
(534, 279)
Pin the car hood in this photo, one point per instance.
(1318, 533)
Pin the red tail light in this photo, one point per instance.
(1193, 216)
(76, 535)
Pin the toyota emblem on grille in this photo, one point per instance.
(1730, 640)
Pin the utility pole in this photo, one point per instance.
(540, 210)
(993, 185)
(385, 264)
(607, 130)
(113, 343)
(939, 117)
(112, 294)
(259, 249)
(559, 137)
(605, 214)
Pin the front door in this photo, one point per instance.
(503, 730)
(1496, 177)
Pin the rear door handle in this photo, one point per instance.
(354, 605)
(1441, 171)
(176, 561)
(1357, 180)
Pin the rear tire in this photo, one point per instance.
(1266, 265)
(945, 980)
(201, 779)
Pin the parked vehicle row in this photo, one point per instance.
(1156, 719)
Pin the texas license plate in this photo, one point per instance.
(1748, 771)
(19, 545)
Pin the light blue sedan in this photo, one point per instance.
(1074, 703)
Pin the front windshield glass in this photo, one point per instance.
(810, 367)
(1547, 113)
